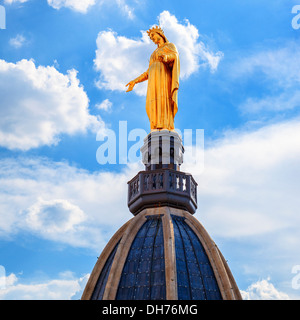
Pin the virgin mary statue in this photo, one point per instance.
(163, 82)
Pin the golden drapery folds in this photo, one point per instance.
(163, 83)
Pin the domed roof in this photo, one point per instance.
(161, 254)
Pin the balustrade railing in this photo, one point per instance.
(158, 181)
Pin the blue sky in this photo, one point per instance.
(63, 69)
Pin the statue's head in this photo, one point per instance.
(157, 30)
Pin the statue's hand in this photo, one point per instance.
(130, 85)
(162, 57)
(159, 55)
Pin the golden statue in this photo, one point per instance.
(163, 82)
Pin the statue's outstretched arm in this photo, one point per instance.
(141, 78)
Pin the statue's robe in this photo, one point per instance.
(163, 84)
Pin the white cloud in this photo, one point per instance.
(284, 101)
(62, 203)
(105, 105)
(55, 216)
(280, 69)
(64, 288)
(263, 290)
(193, 52)
(248, 193)
(18, 41)
(248, 200)
(40, 103)
(249, 186)
(76, 5)
(125, 8)
(120, 59)
(281, 64)
(83, 6)
(14, 1)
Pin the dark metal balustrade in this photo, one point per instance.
(162, 187)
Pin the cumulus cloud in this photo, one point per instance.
(249, 185)
(83, 6)
(54, 216)
(120, 59)
(248, 188)
(39, 103)
(18, 41)
(66, 287)
(62, 203)
(248, 199)
(76, 5)
(105, 105)
(193, 52)
(263, 290)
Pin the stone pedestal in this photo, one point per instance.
(162, 149)
(162, 184)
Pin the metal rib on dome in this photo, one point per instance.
(101, 283)
(161, 254)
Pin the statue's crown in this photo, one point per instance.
(155, 29)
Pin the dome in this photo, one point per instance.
(162, 253)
